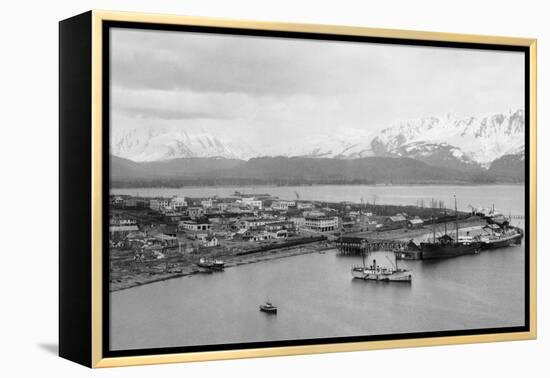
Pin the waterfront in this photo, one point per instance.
(318, 298)
(507, 198)
(315, 293)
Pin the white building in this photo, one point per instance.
(304, 205)
(178, 203)
(159, 204)
(298, 221)
(207, 203)
(194, 226)
(321, 223)
(252, 202)
(282, 205)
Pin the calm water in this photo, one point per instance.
(317, 297)
(315, 293)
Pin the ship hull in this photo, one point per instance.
(369, 275)
(437, 251)
(502, 242)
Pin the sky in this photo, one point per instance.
(265, 89)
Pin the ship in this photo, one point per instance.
(500, 237)
(372, 271)
(446, 246)
(269, 308)
(211, 264)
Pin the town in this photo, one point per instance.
(154, 238)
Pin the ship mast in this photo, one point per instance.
(445, 221)
(433, 225)
(456, 221)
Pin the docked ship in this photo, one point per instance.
(501, 236)
(446, 246)
(373, 271)
(211, 264)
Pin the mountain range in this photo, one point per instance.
(483, 148)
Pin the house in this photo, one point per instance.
(119, 232)
(159, 204)
(178, 203)
(279, 225)
(396, 221)
(282, 205)
(116, 201)
(207, 203)
(195, 212)
(415, 223)
(321, 223)
(298, 221)
(253, 223)
(135, 203)
(210, 241)
(195, 225)
(279, 234)
(252, 202)
(173, 217)
(304, 205)
(166, 240)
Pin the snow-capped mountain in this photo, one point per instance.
(473, 140)
(461, 143)
(346, 144)
(163, 143)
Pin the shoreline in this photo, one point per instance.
(275, 254)
(230, 262)
(460, 183)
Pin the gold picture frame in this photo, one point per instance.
(91, 329)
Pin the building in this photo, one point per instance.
(396, 221)
(166, 240)
(159, 204)
(282, 205)
(207, 203)
(252, 223)
(252, 202)
(119, 232)
(304, 205)
(178, 203)
(321, 223)
(135, 203)
(122, 222)
(195, 212)
(415, 223)
(198, 225)
(116, 201)
(280, 225)
(279, 234)
(210, 241)
(298, 221)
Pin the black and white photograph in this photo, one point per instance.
(276, 189)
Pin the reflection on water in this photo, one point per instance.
(317, 297)
(315, 293)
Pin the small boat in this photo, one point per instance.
(269, 308)
(211, 264)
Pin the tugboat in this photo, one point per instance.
(269, 308)
(445, 246)
(211, 264)
(374, 272)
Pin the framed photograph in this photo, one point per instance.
(234, 189)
